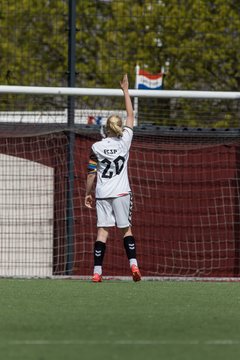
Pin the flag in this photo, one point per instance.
(148, 81)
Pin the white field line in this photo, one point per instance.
(222, 342)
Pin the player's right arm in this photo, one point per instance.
(92, 171)
(89, 186)
(128, 102)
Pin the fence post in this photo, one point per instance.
(71, 134)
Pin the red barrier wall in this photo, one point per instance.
(185, 213)
(186, 204)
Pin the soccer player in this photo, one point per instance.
(109, 160)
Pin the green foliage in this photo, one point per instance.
(34, 46)
(204, 51)
(200, 40)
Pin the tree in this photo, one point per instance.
(33, 47)
(199, 38)
(203, 52)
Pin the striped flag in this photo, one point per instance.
(148, 81)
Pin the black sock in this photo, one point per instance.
(130, 247)
(99, 251)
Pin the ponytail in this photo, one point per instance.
(114, 125)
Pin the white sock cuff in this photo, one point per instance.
(97, 270)
(133, 262)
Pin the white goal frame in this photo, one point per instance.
(187, 94)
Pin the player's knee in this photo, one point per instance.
(126, 231)
(102, 234)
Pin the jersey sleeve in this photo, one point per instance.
(127, 136)
(92, 163)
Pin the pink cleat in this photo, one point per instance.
(135, 273)
(97, 278)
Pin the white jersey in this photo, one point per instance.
(112, 159)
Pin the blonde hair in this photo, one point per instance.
(114, 125)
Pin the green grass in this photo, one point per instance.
(70, 319)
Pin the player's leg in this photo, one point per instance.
(105, 219)
(99, 251)
(122, 208)
(130, 248)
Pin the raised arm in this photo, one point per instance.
(128, 102)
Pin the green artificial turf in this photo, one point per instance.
(73, 319)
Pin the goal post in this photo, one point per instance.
(66, 91)
(185, 181)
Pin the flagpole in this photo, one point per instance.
(136, 98)
(163, 75)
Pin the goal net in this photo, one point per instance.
(183, 168)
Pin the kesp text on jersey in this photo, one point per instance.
(110, 151)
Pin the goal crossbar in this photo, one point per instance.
(68, 91)
(184, 171)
